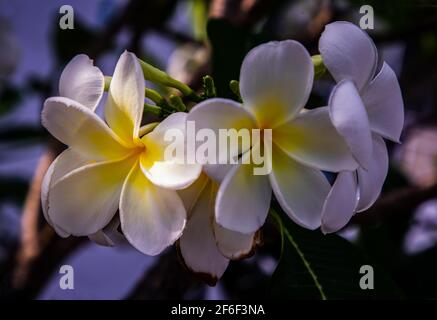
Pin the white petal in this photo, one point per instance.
(124, 109)
(311, 139)
(190, 195)
(101, 238)
(85, 200)
(216, 114)
(81, 129)
(243, 200)
(384, 104)
(170, 175)
(82, 81)
(275, 81)
(349, 116)
(370, 181)
(197, 244)
(66, 162)
(108, 236)
(340, 204)
(217, 172)
(300, 190)
(152, 218)
(167, 173)
(235, 245)
(156, 141)
(348, 53)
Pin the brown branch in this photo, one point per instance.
(244, 13)
(30, 246)
(398, 203)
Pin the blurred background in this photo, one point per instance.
(188, 39)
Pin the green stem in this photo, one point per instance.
(107, 83)
(177, 103)
(147, 128)
(209, 87)
(158, 76)
(319, 67)
(289, 237)
(152, 109)
(234, 85)
(155, 97)
(152, 95)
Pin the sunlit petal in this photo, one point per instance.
(82, 81)
(152, 218)
(168, 173)
(124, 108)
(221, 114)
(66, 162)
(81, 129)
(243, 200)
(85, 200)
(300, 190)
(275, 81)
(311, 139)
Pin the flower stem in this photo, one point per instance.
(234, 85)
(153, 109)
(319, 67)
(209, 87)
(160, 77)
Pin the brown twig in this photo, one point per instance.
(30, 246)
(398, 203)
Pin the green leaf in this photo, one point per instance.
(229, 46)
(199, 14)
(317, 266)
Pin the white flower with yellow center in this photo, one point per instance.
(275, 81)
(112, 165)
(365, 106)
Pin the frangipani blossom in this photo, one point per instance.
(275, 82)
(205, 246)
(113, 166)
(83, 82)
(365, 107)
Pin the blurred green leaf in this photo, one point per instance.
(229, 46)
(199, 14)
(317, 266)
(9, 99)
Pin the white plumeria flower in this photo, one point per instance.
(275, 82)
(205, 246)
(119, 166)
(365, 106)
(83, 82)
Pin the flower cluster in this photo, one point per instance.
(215, 211)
